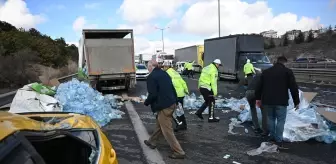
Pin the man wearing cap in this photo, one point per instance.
(162, 98)
(207, 84)
(181, 90)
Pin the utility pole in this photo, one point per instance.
(219, 26)
(162, 29)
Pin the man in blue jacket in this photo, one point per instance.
(163, 99)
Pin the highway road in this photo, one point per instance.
(207, 143)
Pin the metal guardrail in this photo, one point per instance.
(318, 76)
(312, 65)
(8, 97)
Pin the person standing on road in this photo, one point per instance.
(189, 66)
(163, 99)
(207, 84)
(181, 90)
(250, 96)
(272, 94)
(249, 70)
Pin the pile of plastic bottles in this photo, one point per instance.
(79, 97)
(301, 124)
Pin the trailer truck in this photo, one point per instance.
(108, 56)
(192, 53)
(233, 51)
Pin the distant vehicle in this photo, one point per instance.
(109, 55)
(163, 56)
(180, 67)
(306, 60)
(40, 137)
(192, 53)
(326, 61)
(141, 71)
(233, 51)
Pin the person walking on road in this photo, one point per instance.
(250, 96)
(207, 84)
(249, 70)
(181, 90)
(189, 68)
(163, 99)
(272, 94)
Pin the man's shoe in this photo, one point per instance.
(177, 156)
(149, 144)
(258, 131)
(264, 134)
(216, 119)
(199, 115)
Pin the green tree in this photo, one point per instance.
(4, 26)
(34, 32)
(285, 39)
(300, 38)
(310, 36)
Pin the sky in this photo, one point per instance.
(186, 22)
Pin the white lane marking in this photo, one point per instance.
(153, 156)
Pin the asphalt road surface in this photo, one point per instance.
(207, 143)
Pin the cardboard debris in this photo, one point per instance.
(135, 99)
(309, 96)
(331, 116)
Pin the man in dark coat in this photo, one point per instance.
(163, 99)
(272, 94)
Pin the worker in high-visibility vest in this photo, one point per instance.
(189, 67)
(249, 71)
(207, 85)
(181, 89)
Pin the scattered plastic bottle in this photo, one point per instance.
(246, 130)
(328, 139)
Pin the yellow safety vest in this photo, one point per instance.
(248, 68)
(208, 78)
(178, 82)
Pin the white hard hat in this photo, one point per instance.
(248, 61)
(217, 61)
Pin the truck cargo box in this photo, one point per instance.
(108, 52)
(228, 48)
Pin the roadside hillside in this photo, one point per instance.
(323, 47)
(27, 54)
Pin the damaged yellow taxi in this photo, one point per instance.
(53, 138)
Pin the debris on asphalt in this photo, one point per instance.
(264, 147)
(236, 162)
(79, 97)
(234, 123)
(301, 125)
(226, 156)
(246, 130)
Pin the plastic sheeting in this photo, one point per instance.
(264, 147)
(79, 97)
(301, 125)
(27, 100)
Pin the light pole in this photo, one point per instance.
(162, 29)
(219, 26)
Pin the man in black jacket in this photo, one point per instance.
(163, 99)
(272, 94)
